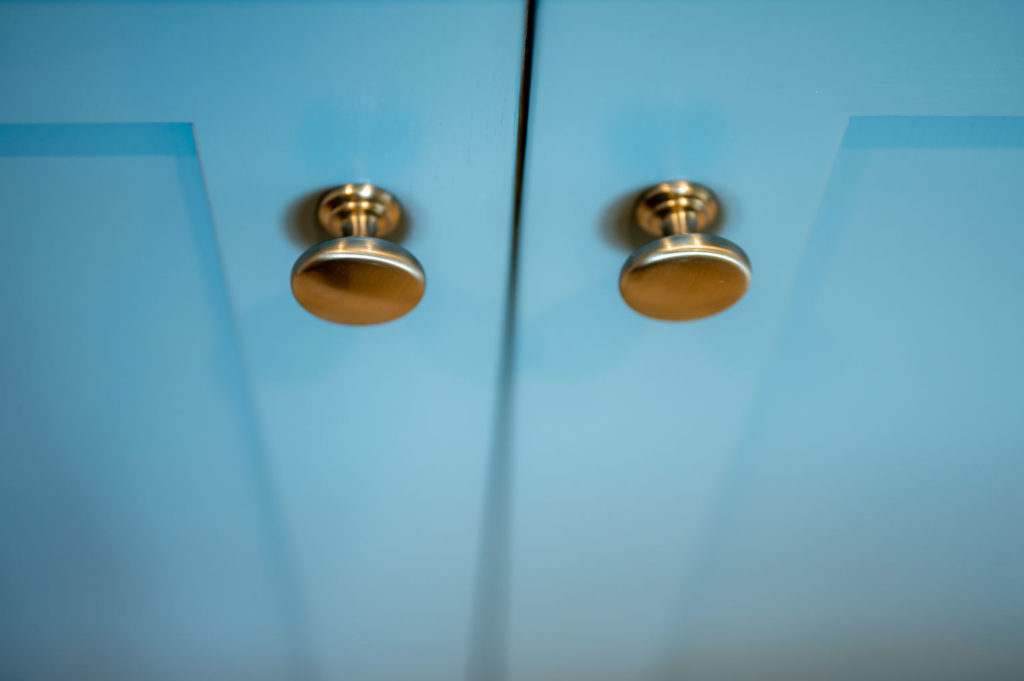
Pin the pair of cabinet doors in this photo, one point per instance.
(528, 480)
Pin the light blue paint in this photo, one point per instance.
(132, 511)
(869, 515)
(376, 440)
(820, 483)
(715, 500)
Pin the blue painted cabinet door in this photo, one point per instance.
(199, 479)
(824, 481)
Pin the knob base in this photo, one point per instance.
(676, 207)
(358, 210)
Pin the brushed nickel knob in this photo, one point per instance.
(357, 277)
(684, 274)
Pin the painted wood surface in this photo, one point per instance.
(202, 477)
(819, 483)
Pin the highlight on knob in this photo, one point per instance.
(358, 278)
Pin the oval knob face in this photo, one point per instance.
(358, 280)
(685, 276)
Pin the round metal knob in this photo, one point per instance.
(358, 278)
(684, 274)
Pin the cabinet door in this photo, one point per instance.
(823, 481)
(201, 480)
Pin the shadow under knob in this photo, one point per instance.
(682, 275)
(358, 278)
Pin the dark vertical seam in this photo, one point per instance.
(488, 638)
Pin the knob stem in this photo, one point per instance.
(682, 222)
(358, 224)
